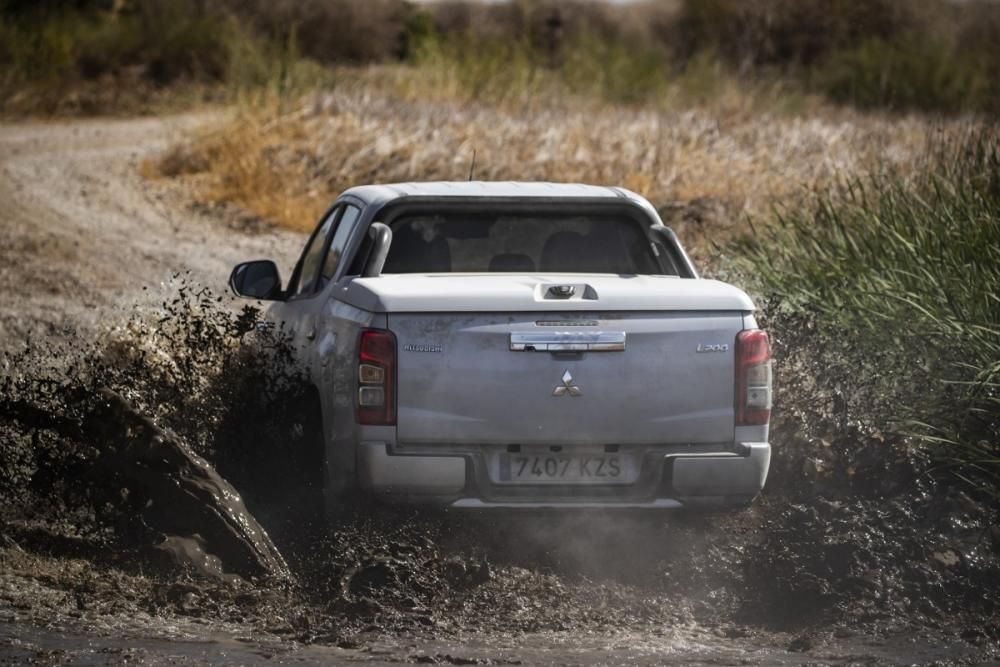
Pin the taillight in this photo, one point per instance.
(377, 378)
(753, 378)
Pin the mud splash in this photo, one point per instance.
(75, 446)
(202, 516)
(852, 535)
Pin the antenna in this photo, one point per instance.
(472, 167)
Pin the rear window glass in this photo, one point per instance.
(519, 243)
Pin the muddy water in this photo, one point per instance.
(881, 564)
(444, 589)
(655, 647)
(448, 589)
(828, 569)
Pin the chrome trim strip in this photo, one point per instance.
(567, 323)
(568, 341)
(476, 503)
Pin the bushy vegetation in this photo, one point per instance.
(917, 54)
(886, 291)
(923, 54)
(96, 57)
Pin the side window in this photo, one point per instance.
(313, 257)
(337, 245)
(361, 256)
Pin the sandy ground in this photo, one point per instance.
(85, 240)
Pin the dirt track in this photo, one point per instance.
(83, 235)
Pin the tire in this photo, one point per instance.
(302, 502)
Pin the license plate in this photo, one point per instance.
(564, 468)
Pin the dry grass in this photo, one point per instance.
(721, 160)
(245, 161)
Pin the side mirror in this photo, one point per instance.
(258, 279)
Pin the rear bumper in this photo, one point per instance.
(730, 476)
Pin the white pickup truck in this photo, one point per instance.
(519, 345)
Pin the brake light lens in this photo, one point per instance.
(377, 378)
(753, 378)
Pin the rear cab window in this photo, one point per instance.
(483, 241)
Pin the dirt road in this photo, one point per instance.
(83, 234)
(85, 241)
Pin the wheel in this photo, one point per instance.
(312, 478)
(302, 501)
(274, 454)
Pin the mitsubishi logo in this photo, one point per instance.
(567, 387)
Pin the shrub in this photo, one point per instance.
(37, 51)
(912, 72)
(515, 52)
(782, 32)
(329, 31)
(885, 291)
(924, 54)
(171, 39)
(62, 57)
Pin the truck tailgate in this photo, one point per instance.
(460, 381)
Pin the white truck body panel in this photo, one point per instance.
(658, 390)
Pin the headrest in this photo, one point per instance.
(511, 263)
(562, 252)
(411, 252)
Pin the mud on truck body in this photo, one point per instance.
(520, 345)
